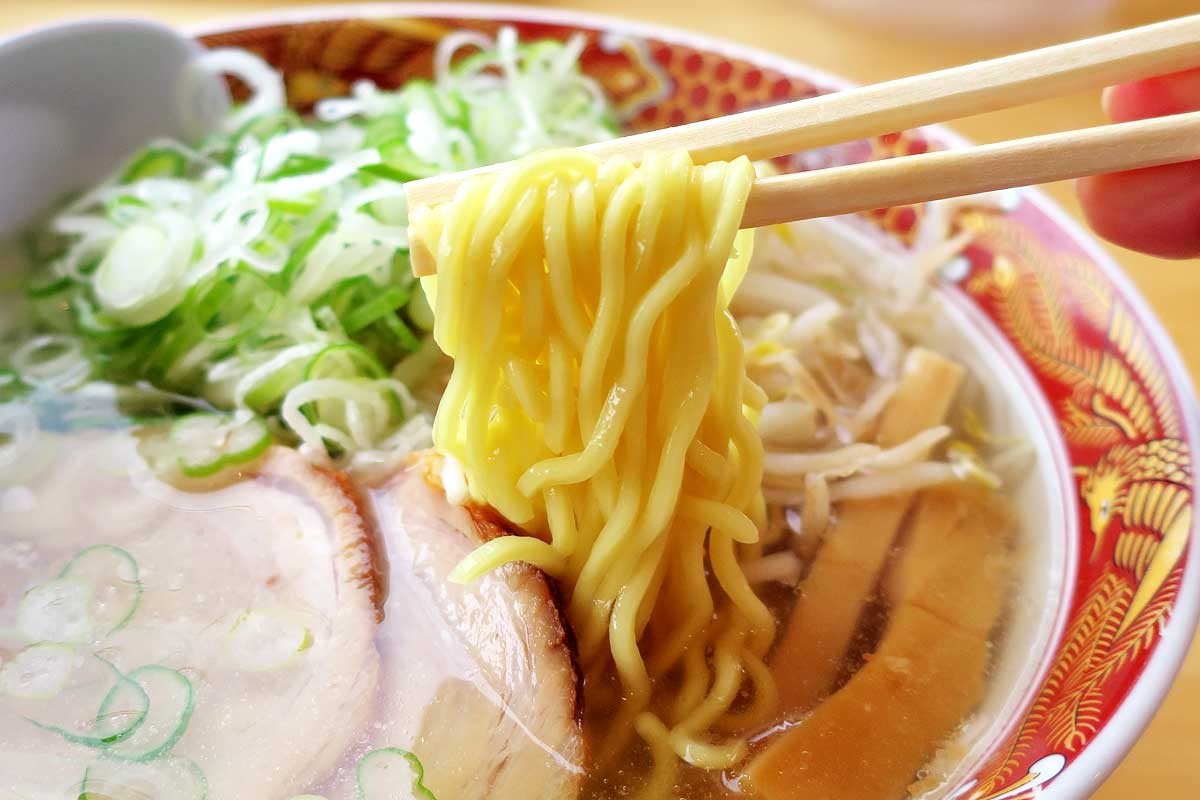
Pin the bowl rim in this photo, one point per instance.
(1100, 756)
(1103, 753)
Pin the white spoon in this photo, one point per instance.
(77, 98)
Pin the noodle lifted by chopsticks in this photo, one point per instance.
(599, 400)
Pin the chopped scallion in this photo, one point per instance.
(231, 270)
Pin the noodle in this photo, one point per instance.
(567, 272)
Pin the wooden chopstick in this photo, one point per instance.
(953, 173)
(940, 96)
(901, 104)
(921, 100)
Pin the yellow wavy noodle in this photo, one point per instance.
(599, 399)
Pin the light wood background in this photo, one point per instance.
(1165, 763)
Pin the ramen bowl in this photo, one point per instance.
(1072, 363)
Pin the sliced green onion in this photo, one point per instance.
(401, 167)
(52, 360)
(167, 778)
(299, 206)
(268, 126)
(117, 206)
(263, 640)
(230, 304)
(402, 334)
(381, 774)
(219, 272)
(159, 162)
(57, 611)
(170, 710)
(205, 444)
(115, 581)
(344, 361)
(267, 384)
(299, 164)
(83, 726)
(141, 278)
(386, 302)
(39, 672)
(47, 284)
(296, 261)
(93, 321)
(344, 415)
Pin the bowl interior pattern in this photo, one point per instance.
(1119, 408)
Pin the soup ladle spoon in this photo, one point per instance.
(76, 98)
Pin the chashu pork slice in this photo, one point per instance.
(479, 680)
(263, 595)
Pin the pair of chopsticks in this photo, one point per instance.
(922, 100)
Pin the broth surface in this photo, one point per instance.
(419, 678)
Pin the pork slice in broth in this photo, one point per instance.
(478, 680)
(253, 634)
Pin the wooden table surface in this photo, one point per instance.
(1166, 762)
